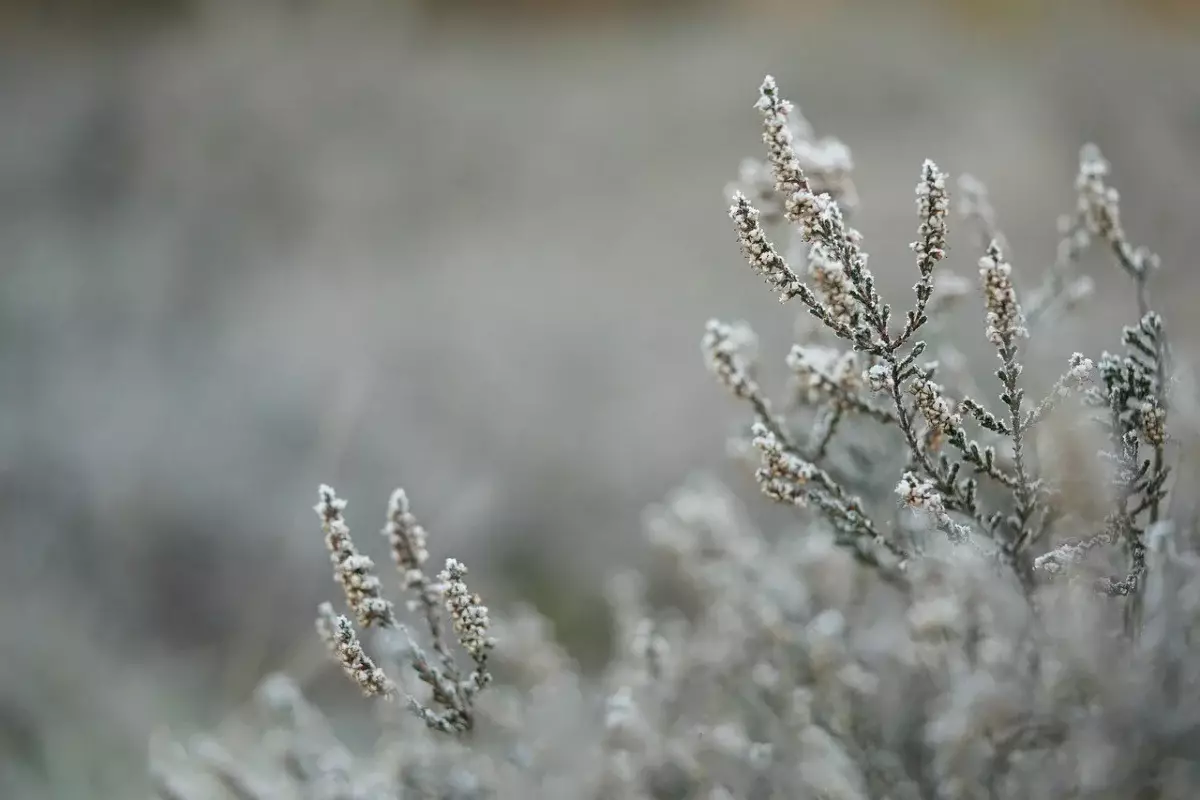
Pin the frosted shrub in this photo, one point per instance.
(896, 388)
(943, 622)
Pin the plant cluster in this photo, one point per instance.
(943, 622)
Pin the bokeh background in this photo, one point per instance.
(464, 246)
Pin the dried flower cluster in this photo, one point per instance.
(453, 695)
(946, 461)
(921, 633)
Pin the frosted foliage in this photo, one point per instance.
(940, 616)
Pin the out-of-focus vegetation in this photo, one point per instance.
(974, 12)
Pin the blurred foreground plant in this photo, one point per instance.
(949, 653)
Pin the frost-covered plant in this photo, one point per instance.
(865, 654)
(953, 442)
(451, 708)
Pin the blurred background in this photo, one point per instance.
(463, 246)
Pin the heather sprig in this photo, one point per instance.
(342, 640)
(1132, 396)
(946, 463)
(355, 572)
(452, 695)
